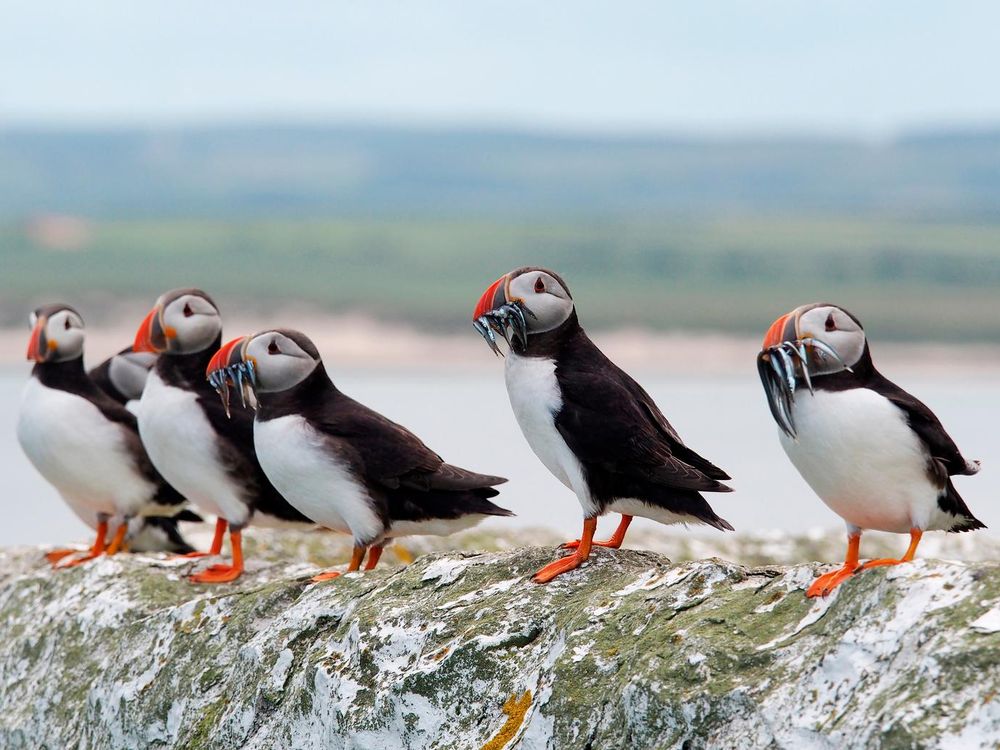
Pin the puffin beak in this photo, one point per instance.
(38, 345)
(230, 367)
(778, 331)
(497, 313)
(495, 296)
(776, 366)
(152, 336)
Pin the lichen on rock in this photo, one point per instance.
(461, 650)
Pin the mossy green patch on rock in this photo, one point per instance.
(461, 650)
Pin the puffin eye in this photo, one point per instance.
(272, 348)
(830, 324)
(188, 312)
(539, 285)
(66, 324)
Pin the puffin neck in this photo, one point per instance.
(549, 343)
(862, 372)
(316, 387)
(60, 374)
(188, 369)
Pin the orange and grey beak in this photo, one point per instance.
(493, 298)
(39, 347)
(230, 367)
(229, 354)
(152, 336)
(783, 329)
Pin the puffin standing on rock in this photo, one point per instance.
(589, 423)
(338, 462)
(191, 439)
(82, 441)
(877, 456)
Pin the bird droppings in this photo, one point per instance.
(633, 651)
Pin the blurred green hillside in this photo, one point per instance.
(670, 234)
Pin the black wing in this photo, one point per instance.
(945, 458)
(608, 420)
(388, 454)
(678, 448)
(928, 427)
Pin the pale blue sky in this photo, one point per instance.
(854, 66)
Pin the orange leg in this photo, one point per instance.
(614, 542)
(827, 582)
(356, 556)
(570, 562)
(96, 551)
(224, 573)
(911, 551)
(374, 553)
(118, 540)
(216, 548)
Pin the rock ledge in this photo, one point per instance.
(461, 651)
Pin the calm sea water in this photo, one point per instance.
(467, 419)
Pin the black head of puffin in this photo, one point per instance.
(526, 301)
(811, 341)
(271, 361)
(182, 321)
(57, 334)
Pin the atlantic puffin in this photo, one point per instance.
(589, 423)
(123, 375)
(82, 441)
(340, 463)
(191, 439)
(877, 456)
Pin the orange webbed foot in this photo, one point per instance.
(826, 583)
(217, 574)
(224, 573)
(357, 555)
(328, 576)
(58, 554)
(558, 567)
(219, 568)
(68, 562)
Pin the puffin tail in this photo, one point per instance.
(952, 503)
